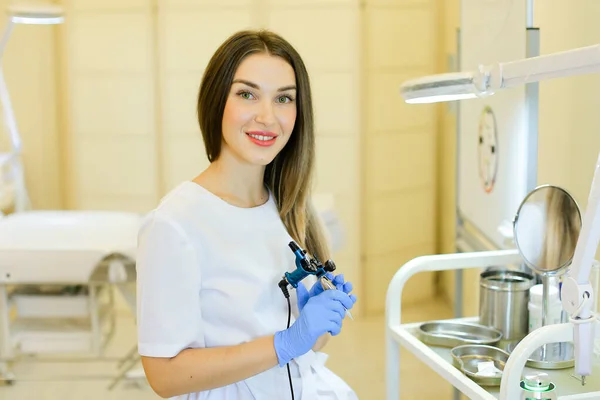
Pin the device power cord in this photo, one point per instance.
(574, 318)
(283, 286)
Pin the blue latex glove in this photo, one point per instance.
(304, 294)
(322, 313)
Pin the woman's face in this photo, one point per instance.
(260, 111)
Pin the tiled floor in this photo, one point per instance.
(357, 355)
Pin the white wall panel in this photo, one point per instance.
(348, 258)
(179, 104)
(395, 40)
(336, 165)
(113, 105)
(382, 267)
(192, 37)
(116, 167)
(204, 4)
(325, 38)
(107, 5)
(398, 147)
(398, 220)
(111, 42)
(335, 101)
(185, 158)
(310, 3)
(386, 111)
(103, 201)
(347, 208)
(396, 3)
(400, 162)
(111, 112)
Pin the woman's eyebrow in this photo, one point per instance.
(290, 87)
(255, 86)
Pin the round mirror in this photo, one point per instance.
(546, 229)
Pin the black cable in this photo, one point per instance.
(283, 286)
(288, 364)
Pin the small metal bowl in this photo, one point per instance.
(452, 334)
(467, 357)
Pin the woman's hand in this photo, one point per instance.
(304, 295)
(322, 314)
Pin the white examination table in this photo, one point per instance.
(63, 246)
(42, 253)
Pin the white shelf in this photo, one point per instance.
(34, 305)
(32, 336)
(439, 360)
(55, 335)
(404, 335)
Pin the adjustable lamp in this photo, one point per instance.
(32, 14)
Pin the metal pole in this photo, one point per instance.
(532, 109)
(458, 274)
(529, 13)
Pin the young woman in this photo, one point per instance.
(212, 321)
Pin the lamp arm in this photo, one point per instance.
(7, 108)
(9, 115)
(7, 32)
(584, 60)
(22, 201)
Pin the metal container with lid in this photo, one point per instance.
(503, 299)
(538, 387)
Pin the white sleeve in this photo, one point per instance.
(168, 290)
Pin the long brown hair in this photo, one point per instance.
(289, 175)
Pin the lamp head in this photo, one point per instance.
(36, 13)
(442, 87)
(447, 87)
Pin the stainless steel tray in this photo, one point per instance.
(452, 334)
(553, 356)
(467, 357)
(558, 355)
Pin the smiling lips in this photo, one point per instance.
(262, 138)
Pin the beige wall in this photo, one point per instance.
(112, 108)
(446, 167)
(398, 148)
(569, 120)
(446, 133)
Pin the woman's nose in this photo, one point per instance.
(265, 114)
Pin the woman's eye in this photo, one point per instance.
(284, 99)
(246, 95)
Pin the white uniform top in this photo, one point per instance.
(207, 275)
